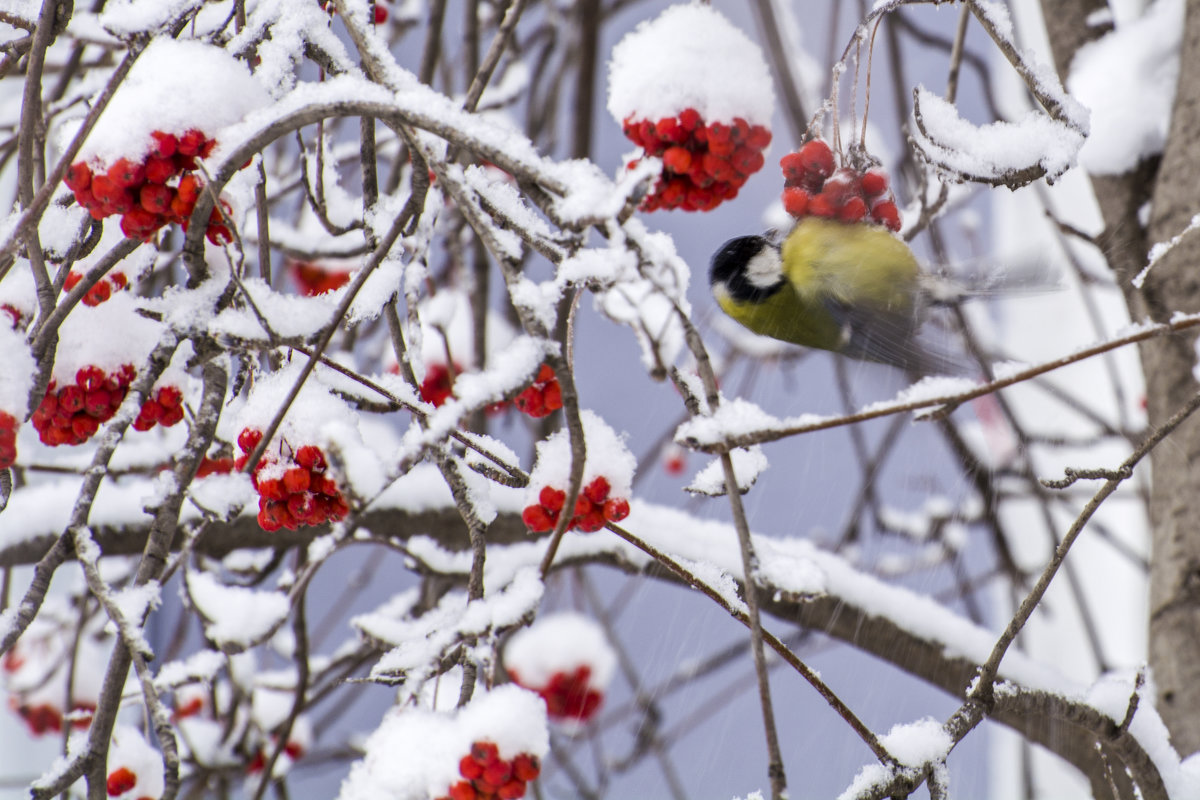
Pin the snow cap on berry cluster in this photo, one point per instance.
(130, 751)
(316, 417)
(560, 642)
(690, 56)
(414, 754)
(108, 336)
(607, 457)
(173, 87)
(17, 367)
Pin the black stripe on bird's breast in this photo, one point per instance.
(732, 267)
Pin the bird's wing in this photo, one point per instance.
(887, 337)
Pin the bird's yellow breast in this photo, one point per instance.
(860, 265)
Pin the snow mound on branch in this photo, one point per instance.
(174, 86)
(235, 615)
(560, 642)
(690, 56)
(993, 152)
(414, 753)
(607, 456)
(17, 367)
(1128, 79)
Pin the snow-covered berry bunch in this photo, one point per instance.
(543, 397)
(690, 88)
(150, 193)
(102, 290)
(140, 161)
(814, 186)
(567, 660)
(607, 480)
(486, 775)
(294, 485)
(593, 508)
(314, 279)
(134, 767)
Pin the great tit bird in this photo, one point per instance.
(854, 289)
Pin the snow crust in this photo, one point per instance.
(690, 56)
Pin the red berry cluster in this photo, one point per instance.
(301, 493)
(815, 187)
(214, 466)
(543, 397)
(149, 194)
(568, 695)
(122, 780)
(487, 776)
(313, 280)
(702, 164)
(438, 384)
(8, 440)
(46, 718)
(164, 408)
(103, 289)
(73, 413)
(592, 510)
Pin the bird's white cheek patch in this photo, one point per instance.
(765, 269)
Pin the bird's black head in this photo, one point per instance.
(750, 267)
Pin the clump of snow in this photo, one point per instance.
(235, 615)
(560, 642)
(18, 291)
(131, 751)
(996, 151)
(914, 746)
(690, 56)
(732, 418)
(174, 86)
(128, 338)
(748, 464)
(607, 457)
(1128, 79)
(414, 753)
(17, 366)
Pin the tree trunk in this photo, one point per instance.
(1174, 285)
